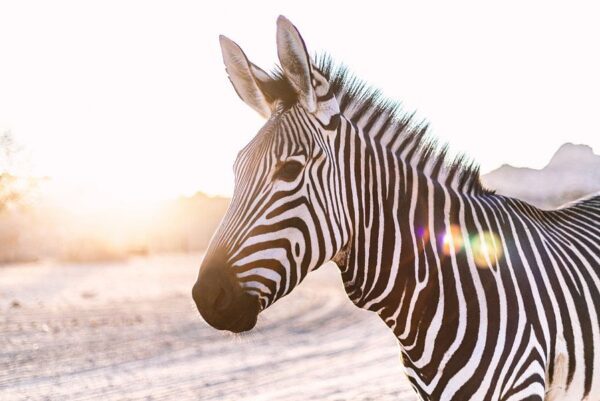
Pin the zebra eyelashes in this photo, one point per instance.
(288, 170)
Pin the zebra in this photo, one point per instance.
(490, 298)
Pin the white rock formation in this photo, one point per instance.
(573, 172)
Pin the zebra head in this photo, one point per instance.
(286, 216)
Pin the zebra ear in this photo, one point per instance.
(245, 77)
(310, 85)
(296, 63)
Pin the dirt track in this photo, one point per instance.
(130, 331)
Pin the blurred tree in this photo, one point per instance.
(12, 187)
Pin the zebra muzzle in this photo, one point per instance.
(221, 300)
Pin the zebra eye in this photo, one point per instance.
(289, 170)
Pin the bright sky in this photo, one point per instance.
(130, 98)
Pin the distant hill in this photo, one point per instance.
(573, 172)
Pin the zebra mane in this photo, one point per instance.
(357, 98)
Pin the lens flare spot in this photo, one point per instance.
(452, 240)
(486, 249)
(422, 234)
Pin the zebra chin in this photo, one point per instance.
(221, 301)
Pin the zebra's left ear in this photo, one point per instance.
(312, 88)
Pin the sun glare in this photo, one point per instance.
(486, 249)
(452, 240)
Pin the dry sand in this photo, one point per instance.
(130, 331)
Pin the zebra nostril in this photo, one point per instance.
(222, 300)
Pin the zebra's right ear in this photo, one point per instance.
(245, 77)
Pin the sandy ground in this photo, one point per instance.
(130, 331)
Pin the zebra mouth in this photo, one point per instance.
(240, 316)
(243, 323)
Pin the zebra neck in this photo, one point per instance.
(399, 214)
(385, 197)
